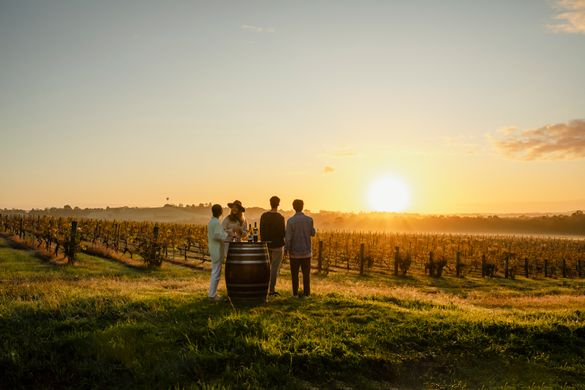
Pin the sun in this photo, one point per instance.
(389, 193)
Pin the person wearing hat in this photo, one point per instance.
(236, 222)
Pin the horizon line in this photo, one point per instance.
(320, 211)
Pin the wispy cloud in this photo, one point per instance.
(328, 169)
(507, 130)
(344, 151)
(462, 142)
(297, 173)
(256, 29)
(571, 17)
(560, 141)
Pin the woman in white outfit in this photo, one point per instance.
(216, 238)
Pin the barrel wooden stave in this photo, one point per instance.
(247, 272)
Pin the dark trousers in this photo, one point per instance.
(305, 265)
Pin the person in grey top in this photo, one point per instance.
(299, 230)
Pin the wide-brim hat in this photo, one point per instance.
(237, 203)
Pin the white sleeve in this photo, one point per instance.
(219, 234)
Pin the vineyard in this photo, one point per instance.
(398, 254)
(124, 316)
(151, 242)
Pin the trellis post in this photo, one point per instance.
(320, 256)
(431, 261)
(72, 241)
(396, 260)
(362, 258)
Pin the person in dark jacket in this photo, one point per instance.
(272, 230)
(299, 230)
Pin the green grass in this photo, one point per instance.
(102, 324)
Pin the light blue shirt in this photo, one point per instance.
(299, 230)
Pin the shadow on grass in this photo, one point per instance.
(461, 286)
(25, 264)
(139, 268)
(96, 343)
(332, 341)
(13, 242)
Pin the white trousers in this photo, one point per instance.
(215, 275)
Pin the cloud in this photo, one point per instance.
(328, 169)
(256, 29)
(560, 141)
(571, 14)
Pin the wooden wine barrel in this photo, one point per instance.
(247, 272)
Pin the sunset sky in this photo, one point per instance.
(474, 106)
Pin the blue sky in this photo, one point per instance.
(128, 102)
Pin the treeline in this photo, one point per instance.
(573, 224)
(169, 213)
(569, 224)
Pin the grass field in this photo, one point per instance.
(103, 324)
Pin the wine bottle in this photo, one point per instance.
(255, 232)
(250, 238)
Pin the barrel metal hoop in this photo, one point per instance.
(253, 292)
(246, 262)
(249, 285)
(247, 254)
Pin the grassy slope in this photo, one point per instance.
(102, 324)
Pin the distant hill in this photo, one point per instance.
(560, 224)
(168, 213)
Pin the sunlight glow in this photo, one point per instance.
(389, 193)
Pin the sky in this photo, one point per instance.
(473, 106)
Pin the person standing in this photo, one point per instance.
(216, 236)
(299, 230)
(272, 230)
(236, 221)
